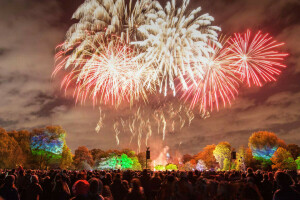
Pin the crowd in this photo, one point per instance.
(135, 185)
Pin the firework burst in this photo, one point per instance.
(174, 42)
(107, 72)
(218, 84)
(255, 58)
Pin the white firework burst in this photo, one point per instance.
(108, 17)
(175, 42)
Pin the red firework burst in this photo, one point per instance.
(256, 58)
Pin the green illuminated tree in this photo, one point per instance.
(222, 152)
(298, 162)
(47, 146)
(125, 162)
(282, 159)
(171, 167)
(159, 168)
(136, 164)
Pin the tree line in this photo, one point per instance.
(46, 148)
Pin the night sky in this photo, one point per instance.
(30, 98)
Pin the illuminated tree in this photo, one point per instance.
(171, 167)
(222, 152)
(282, 159)
(23, 139)
(188, 166)
(186, 158)
(47, 145)
(207, 156)
(250, 161)
(97, 154)
(298, 162)
(136, 165)
(264, 144)
(159, 168)
(240, 159)
(82, 154)
(125, 162)
(294, 150)
(226, 164)
(11, 154)
(201, 165)
(110, 162)
(142, 159)
(66, 158)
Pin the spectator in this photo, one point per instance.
(250, 192)
(136, 192)
(61, 189)
(81, 189)
(117, 189)
(285, 191)
(96, 187)
(34, 191)
(266, 188)
(9, 191)
(107, 193)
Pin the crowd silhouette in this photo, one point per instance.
(148, 185)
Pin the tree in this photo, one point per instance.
(207, 156)
(171, 167)
(125, 162)
(294, 150)
(226, 164)
(240, 159)
(47, 146)
(10, 152)
(22, 137)
(282, 159)
(250, 161)
(136, 164)
(82, 154)
(66, 158)
(188, 166)
(97, 154)
(263, 144)
(222, 152)
(201, 165)
(298, 162)
(159, 168)
(186, 158)
(142, 159)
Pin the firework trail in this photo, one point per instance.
(256, 58)
(100, 123)
(117, 131)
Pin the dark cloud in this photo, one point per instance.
(30, 98)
